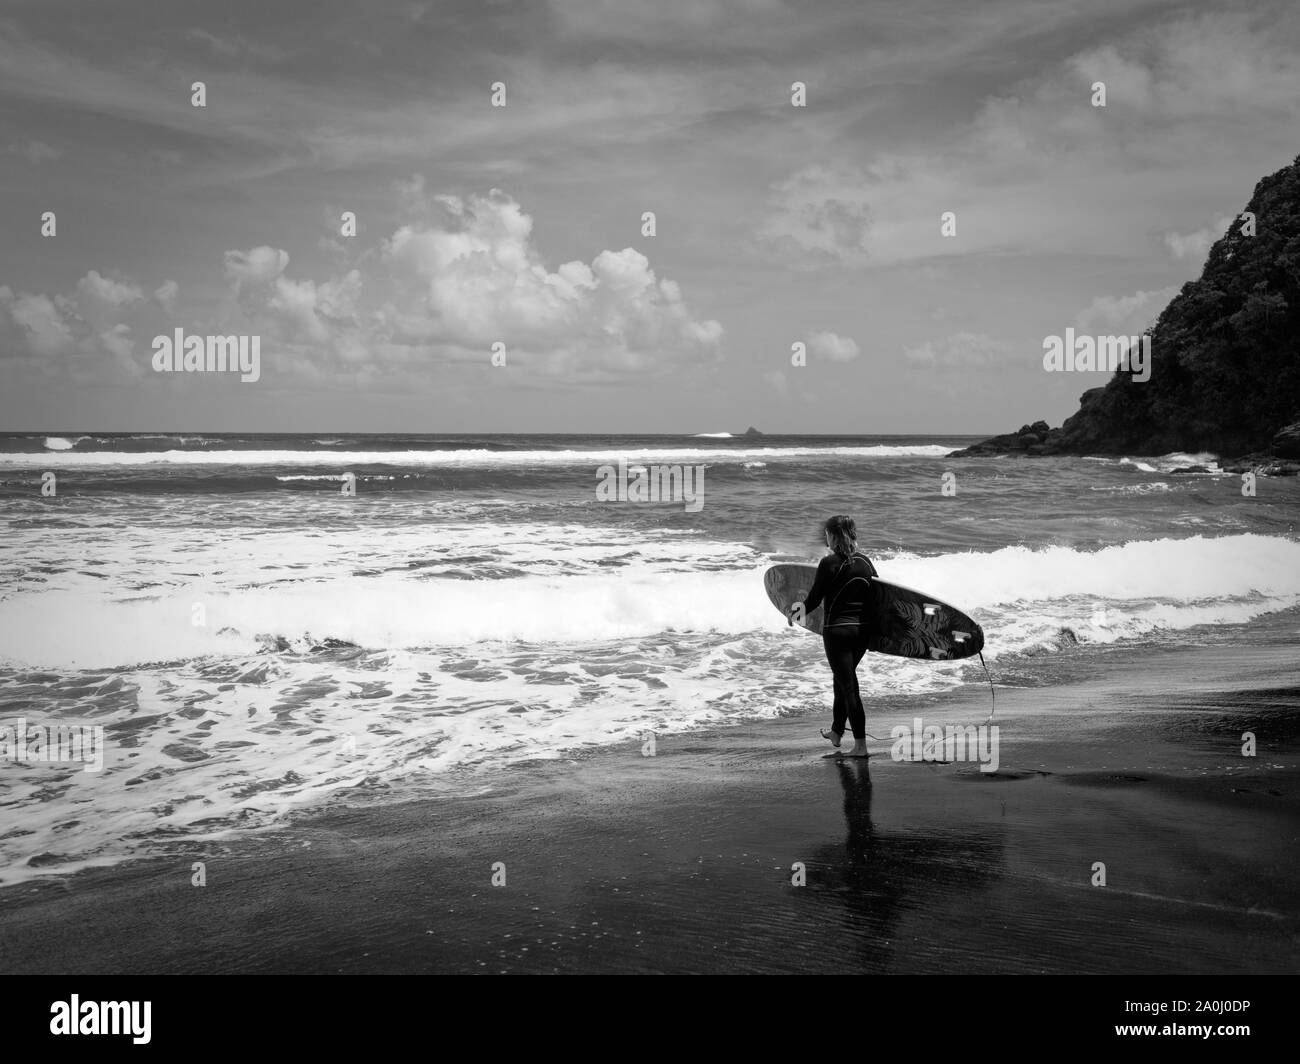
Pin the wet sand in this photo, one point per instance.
(682, 862)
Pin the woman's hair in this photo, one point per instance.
(843, 533)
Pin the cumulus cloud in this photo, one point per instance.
(102, 302)
(466, 276)
(96, 289)
(117, 342)
(46, 327)
(88, 336)
(833, 348)
(480, 279)
(316, 312)
(440, 291)
(1124, 315)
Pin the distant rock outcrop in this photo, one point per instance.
(1225, 355)
(751, 431)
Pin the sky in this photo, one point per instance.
(521, 229)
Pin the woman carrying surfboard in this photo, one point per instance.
(844, 581)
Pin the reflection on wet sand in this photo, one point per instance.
(885, 879)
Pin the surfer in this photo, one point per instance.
(844, 582)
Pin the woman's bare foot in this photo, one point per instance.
(833, 736)
(859, 749)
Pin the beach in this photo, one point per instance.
(453, 456)
(474, 718)
(682, 862)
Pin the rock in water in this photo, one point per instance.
(1031, 439)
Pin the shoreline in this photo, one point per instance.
(682, 862)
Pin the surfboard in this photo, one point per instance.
(904, 622)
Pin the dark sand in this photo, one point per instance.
(617, 862)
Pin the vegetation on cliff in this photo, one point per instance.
(1225, 353)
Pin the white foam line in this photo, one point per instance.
(456, 458)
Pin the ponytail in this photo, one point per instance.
(844, 535)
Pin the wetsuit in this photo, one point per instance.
(845, 585)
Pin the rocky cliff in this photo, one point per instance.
(1225, 355)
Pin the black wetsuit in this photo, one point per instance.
(845, 585)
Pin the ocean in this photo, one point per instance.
(256, 642)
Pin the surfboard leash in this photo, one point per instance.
(993, 691)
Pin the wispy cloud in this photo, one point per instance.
(771, 218)
(1037, 167)
(1125, 315)
(36, 152)
(961, 350)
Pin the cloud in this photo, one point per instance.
(454, 288)
(445, 288)
(668, 21)
(413, 195)
(36, 152)
(1194, 247)
(1035, 166)
(316, 312)
(777, 380)
(236, 47)
(45, 327)
(103, 302)
(87, 336)
(170, 156)
(1214, 65)
(1124, 315)
(480, 280)
(165, 295)
(257, 266)
(833, 348)
(823, 211)
(96, 289)
(332, 113)
(118, 343)
(962, 350)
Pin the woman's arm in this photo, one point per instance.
(818, 591)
